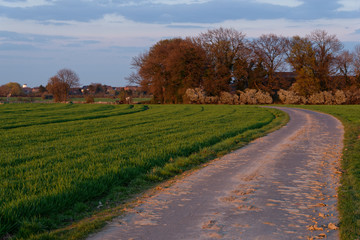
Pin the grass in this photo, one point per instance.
(107, 100)
(349, 192)
(58, 161)
(77, 100)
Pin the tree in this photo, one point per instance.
(306, 83)
(42, 89)
(301, 57)
(270, 50)
(227, 54)
(4, 90)
(96, 88)
(11, 88)
(169, 68)
(356, 59)
(69, 77)
(345, 69)
(256, 76)
(326, 48)
(58, 89)
(60, 84)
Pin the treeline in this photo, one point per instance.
(224, 60)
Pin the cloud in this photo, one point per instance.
(125, 3)
(349, 5)
(177, 11)
(184, 26)
(16, 47)
(116, 30)
(27, 39)
(284, 3)
(178, 2)
(24, 3)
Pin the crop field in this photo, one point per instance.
(55, 159)
(81, 100)
(349, 192)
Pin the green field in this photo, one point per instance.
(349, 192)
(59, 160)
(40, 100)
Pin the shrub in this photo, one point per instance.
(317, 98)
(263, 97)
(89, 99)
(211, 100)
(196, 95)
(45, 96)
(290, 97)
(253, 96)
(353, 96)
(249, 96)
(328, 98)
(339, 97)
(226, 98)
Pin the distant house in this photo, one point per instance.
(132, 88)
(119, 89)
(35, 90)
(26, 89)
(75, 91)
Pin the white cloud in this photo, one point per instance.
(25, 4)
(285, 3)
(176, 2)
(349, 5)
(115, 30)
(147, 2)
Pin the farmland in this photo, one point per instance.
(56, 159)
(349, 192)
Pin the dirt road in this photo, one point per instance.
(282, 186)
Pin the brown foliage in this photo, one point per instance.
(325, 97)
(327, 48)
(222, 61)
(226, 54)
(270, 50)
(315, 60)
(58, 89)
(89, 99)
(249, 96)
(356, 63)
(60, 84)
(11, 89)
(346, 70)
(169, 68)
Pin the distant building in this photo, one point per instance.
(75, 91)
(132, 88)
(26, 89)
(36, 90)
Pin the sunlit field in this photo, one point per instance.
(56, 159)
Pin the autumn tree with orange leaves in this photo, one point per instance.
(60, 84)
(169, 68)
(223, 60)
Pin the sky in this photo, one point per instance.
(98, 38)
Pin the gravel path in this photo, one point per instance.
(282, 186)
